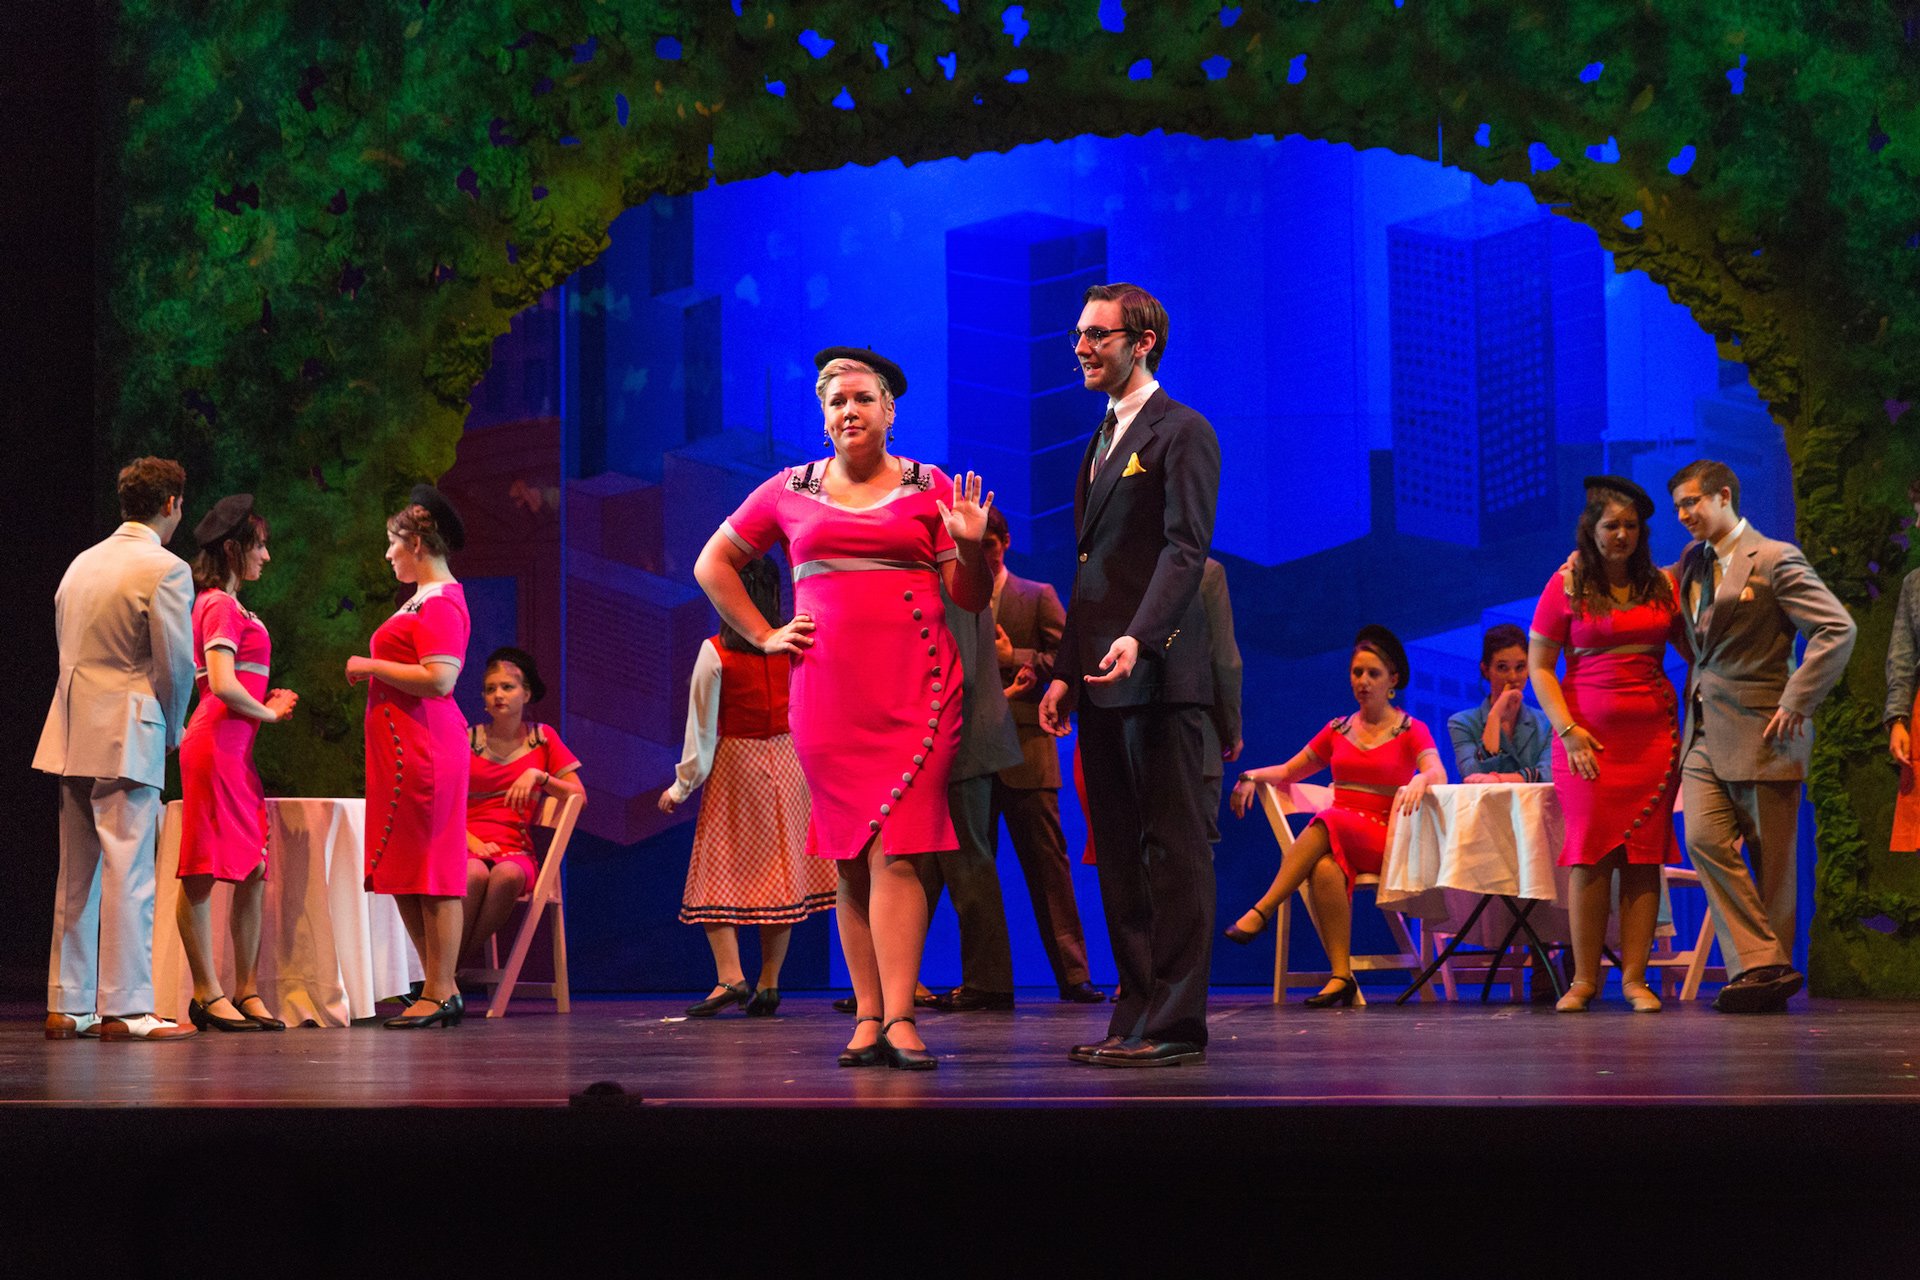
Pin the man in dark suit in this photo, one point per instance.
(1136, 659)
(1028, 620)
(1224, 742)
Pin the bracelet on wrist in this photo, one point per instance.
(1571, 726)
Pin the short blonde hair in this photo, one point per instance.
(834, 368)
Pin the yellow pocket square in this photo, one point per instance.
(1133, 467)
(1746, 594)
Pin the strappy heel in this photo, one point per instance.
(1243, 936)
(906, 1059)
(204, 1018)
(266, 1022)
(870, 1056)
(730, 993)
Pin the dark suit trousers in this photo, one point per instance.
(1143, 767)
(971, 874)
(1033, 820)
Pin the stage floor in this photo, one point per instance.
(1414, 1055)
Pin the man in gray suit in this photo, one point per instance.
(971, 872)
(1222, 728)
(123, 613)
(1748, 734)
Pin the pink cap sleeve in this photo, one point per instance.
(1552, 619)
(1422, 737)
(559, 759)
(1321, 744)
(441, 631)
(943, 545)
(755, 524)
(220, 622)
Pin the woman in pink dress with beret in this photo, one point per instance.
(874, 702)
(1616, 733)
(223, 812)
(1374, 754)
(417, 751)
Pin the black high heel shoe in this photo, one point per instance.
(765, 1002)
(871, 1056)
(730, 993)
(1236, 934)
(905, 1059)
(1341, 997)
(266, 1022)
(446, 1014)
(202, 1017)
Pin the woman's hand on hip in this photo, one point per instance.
(795, 637)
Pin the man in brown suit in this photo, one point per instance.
(1029, 619)
(1749, 729)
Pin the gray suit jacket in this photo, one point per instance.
(1743, 655)
(1222, 726)
(1032, 616)
(124, 616)
(988, 743)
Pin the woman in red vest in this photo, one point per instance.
(750, 863)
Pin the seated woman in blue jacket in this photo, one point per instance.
(1503, 739)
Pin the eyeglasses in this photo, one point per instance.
(1093, 334)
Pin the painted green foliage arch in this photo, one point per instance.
(322, 215)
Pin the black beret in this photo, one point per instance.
(1377, 637)
(224, 520)
(1625, 488)
(536, 687)
(896, 380)
(452, 529)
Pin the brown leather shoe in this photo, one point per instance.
(145, 1026)
(71, 1026)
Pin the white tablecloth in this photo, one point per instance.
(1465, 841)
(328, 948)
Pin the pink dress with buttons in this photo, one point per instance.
(223, 818)
(874, 705)
(1617, 691)
(417, 755)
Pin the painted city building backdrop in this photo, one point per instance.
(1409, 371)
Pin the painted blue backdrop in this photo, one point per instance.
(1409, 371)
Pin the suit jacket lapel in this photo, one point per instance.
(1139, 431)
(1732, 582)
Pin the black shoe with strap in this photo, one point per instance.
(264, 1021)
(765, 1003)
(203, 1018)
(869, 1056)
(906, 1059)
(729, 993)
(446, 1013)
(1340, 997)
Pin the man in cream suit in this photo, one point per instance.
(124, 617)
(1748, 734)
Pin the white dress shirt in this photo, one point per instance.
(1124, 411)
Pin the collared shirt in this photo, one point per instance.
(999, 581)
(1124, 411)
(1721, 550)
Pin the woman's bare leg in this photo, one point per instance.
(724, 941)
(476, 897)
(505, 883)
(853, 892)
(439, 942)
(897, 920)
(1333, 913)
(243, 925)
(1591, 888)
(1639, 912)
(195, 916)
(1298, 863)
(773, 953)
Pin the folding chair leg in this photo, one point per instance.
(1282, 941)
(497, 1007)
(561, 994)
(1702, 946)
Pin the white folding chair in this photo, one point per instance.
(1299, 797)
(1691, 965)
(543, 899)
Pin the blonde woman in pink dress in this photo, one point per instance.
(875, 695)
(223, 828)
(1611, 613)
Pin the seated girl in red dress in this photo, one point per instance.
(515, 764)
(1373, 753)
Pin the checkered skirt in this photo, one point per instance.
(750, 863)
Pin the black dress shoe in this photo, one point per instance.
(1082, 993)
(1151, 1053)
(1085, 1052)
(1340, 997)
(202, 1017)
(870, 1056)
(730, 993)
(905, 1059)
(1764, 989)
(765, 1002)
(846, 1004)
(266, 1022)
(964, 999)
(447, 1013)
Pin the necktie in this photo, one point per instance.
(1707, 562)
(1104, 441)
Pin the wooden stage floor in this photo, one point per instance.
(1433, 1113)
(1462, 1054)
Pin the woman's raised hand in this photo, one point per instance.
(966, 519)
(794, 637)
(282, 702)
